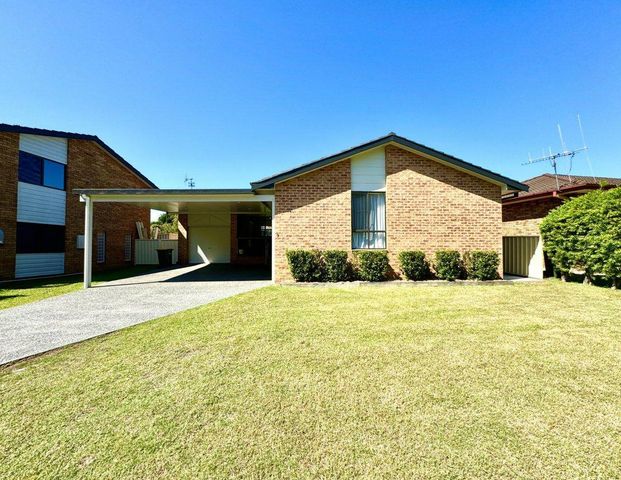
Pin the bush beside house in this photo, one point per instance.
(481, 265)
(448, 265)
(585, 234)
(414, 265)
(372, 265)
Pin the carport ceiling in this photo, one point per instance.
(208, 207)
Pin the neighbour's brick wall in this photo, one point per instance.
(9, 159)
(431, 206)
(313, 211)
(531, 209)
(89, 166)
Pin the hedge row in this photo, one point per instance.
(373, 266)
(584, 233)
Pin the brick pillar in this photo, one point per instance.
(183, 241)
(9, 158)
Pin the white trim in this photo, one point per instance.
(184, 198)
(88, 240)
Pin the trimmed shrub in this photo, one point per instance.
(414, 265)
(584, 233)
(336, 265)
(482, 264)
(372, 265)
(448, 265)
(305, 265)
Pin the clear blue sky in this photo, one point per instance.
(230, 92)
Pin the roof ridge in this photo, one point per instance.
(403, 141)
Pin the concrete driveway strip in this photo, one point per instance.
(47, 324)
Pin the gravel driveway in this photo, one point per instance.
(47, 324)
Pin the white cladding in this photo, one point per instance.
(37, 204)
(368, 171)
(37, 264)
(52, 148)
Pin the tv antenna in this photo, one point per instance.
(564, 153)
(189, 181)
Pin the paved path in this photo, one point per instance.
(47, 324)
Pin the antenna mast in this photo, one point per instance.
(565, 152)
(189, 181)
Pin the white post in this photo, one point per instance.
(88, 241)
(274, 239)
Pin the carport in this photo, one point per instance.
(212, 215)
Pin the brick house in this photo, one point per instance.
(522, 213)
(390, 193)
(42, 222)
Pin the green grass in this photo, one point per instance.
(507, 381)
(17, 293)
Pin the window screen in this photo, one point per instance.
(101, 247)
(368, 220)
(40, 238)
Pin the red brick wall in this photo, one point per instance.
(9, 159)
(431, 206)
(183, 239)
(89, 166)
(313, 211)
(531, 209)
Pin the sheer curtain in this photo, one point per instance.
(359, 221)
(377, 220)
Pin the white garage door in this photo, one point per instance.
(210, 244)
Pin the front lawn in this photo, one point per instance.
(506, 381)
(19, 292)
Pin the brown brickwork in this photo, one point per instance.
(9, 158)
(183, 239)
(313, 211)
(429, 206)
(529, 209)
(89, 166)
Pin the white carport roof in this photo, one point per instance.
(185, 200)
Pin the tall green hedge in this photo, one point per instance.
(585, 233)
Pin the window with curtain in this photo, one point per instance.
(368, 220)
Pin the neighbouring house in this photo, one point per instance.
(523, 211)
(390, 193)
(42, 222)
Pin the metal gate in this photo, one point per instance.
(518, 252)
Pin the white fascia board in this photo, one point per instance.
(129, 198)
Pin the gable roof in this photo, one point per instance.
(392, 137)
(5, 127)
(546, 183)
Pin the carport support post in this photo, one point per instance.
(88, 240)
